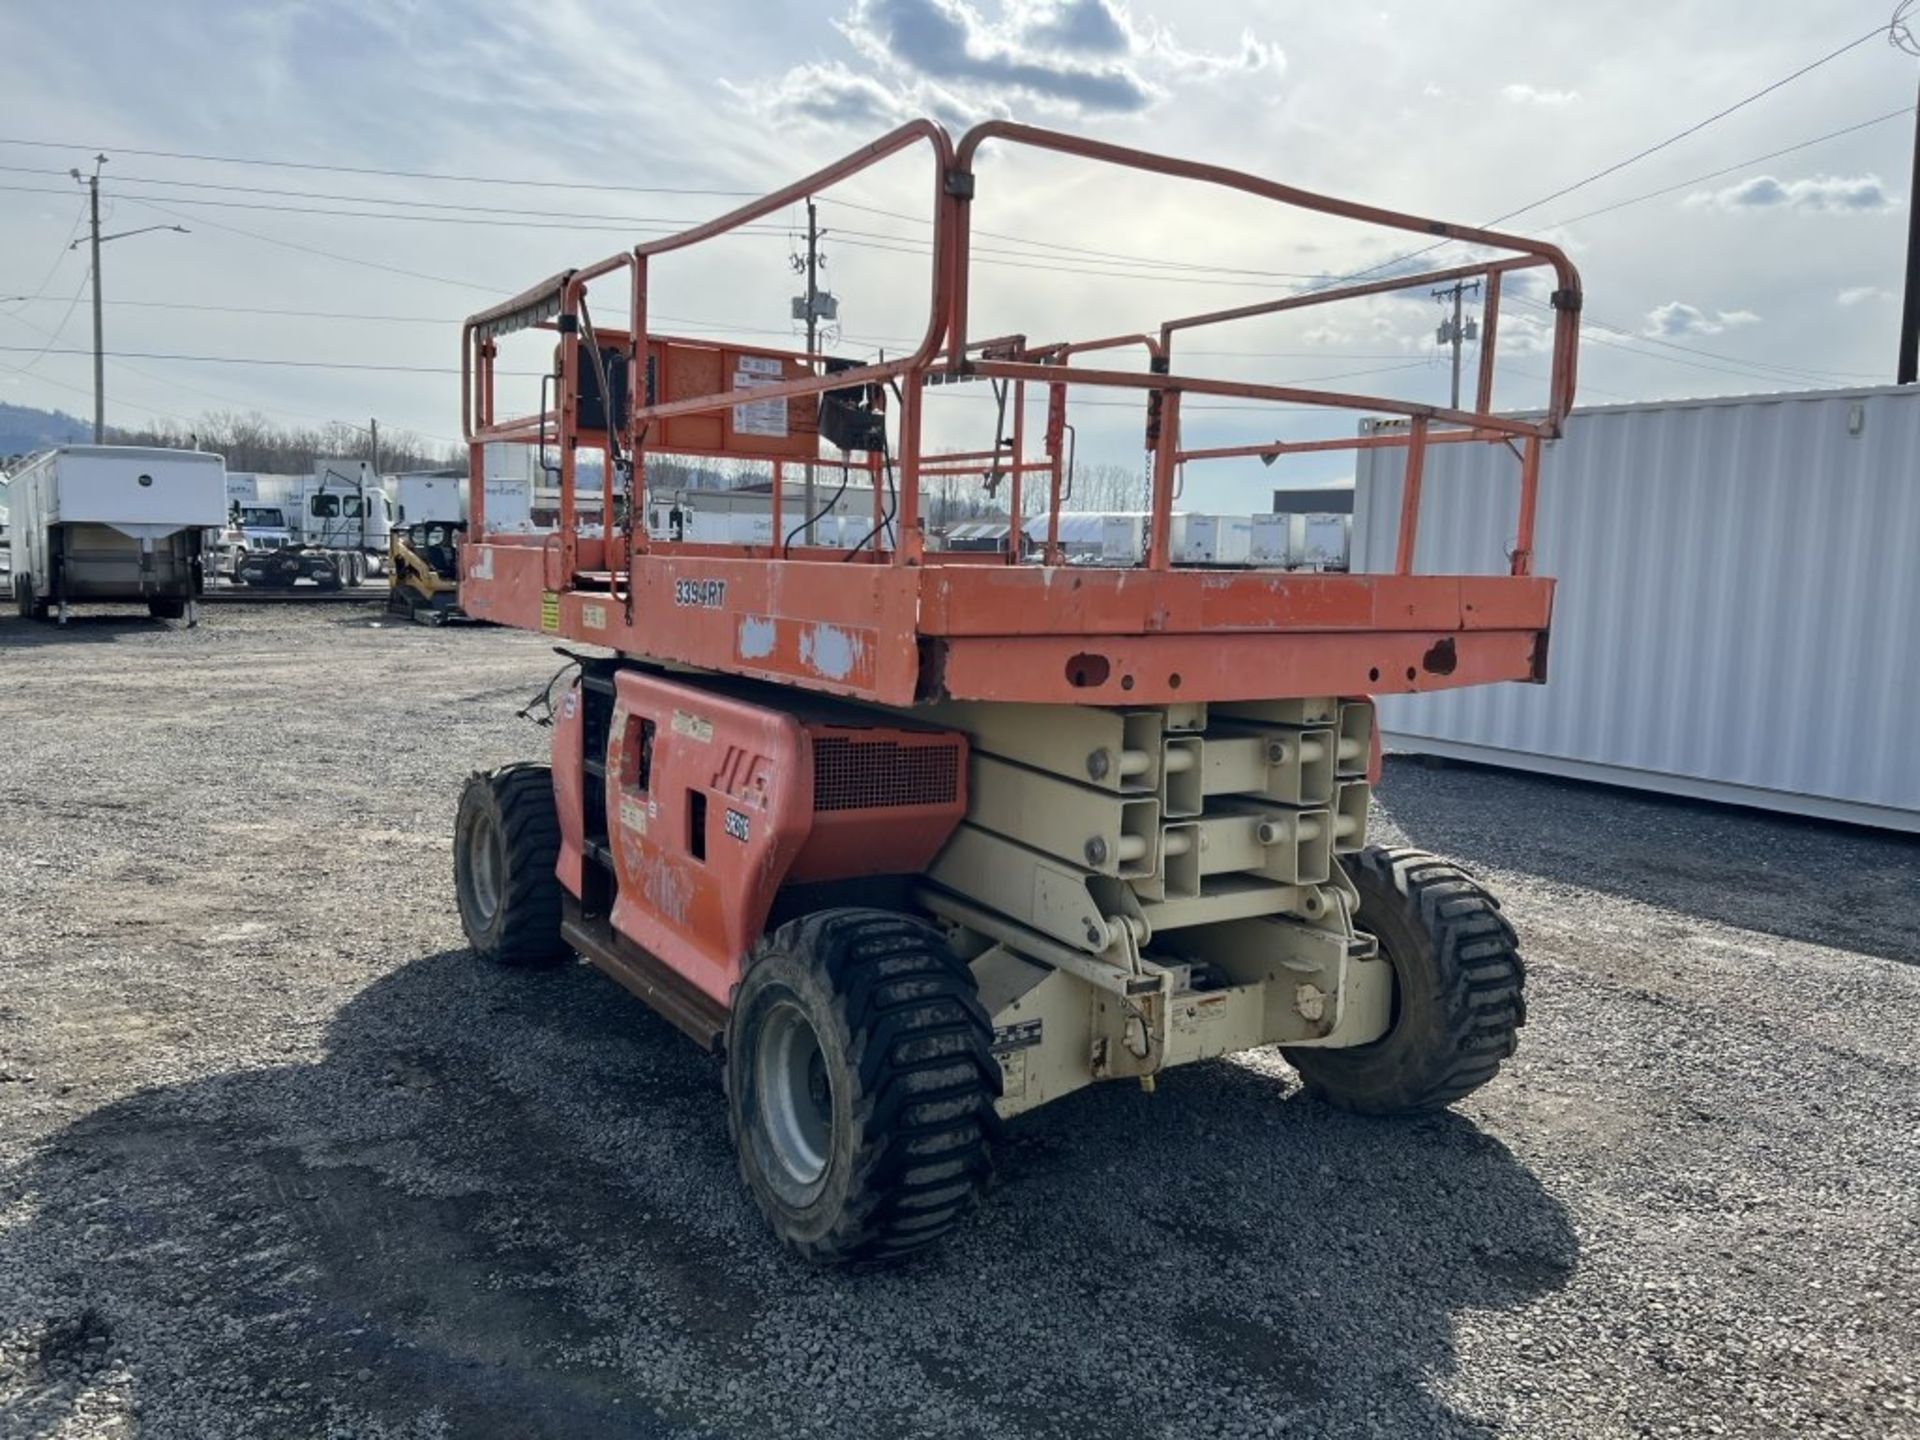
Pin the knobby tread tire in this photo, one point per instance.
(916, 1048)
(1462, 989)
(525, 932)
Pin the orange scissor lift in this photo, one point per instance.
(923, 839)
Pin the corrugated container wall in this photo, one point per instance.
(1738, 608)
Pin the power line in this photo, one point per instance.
(1694, 128)
(374, 170)
(1730, 169)
(1103, 255)
(1638, 155)
(324, 254)
(383, 368)
(369, 366)
(1760, 367)
(60, 256)
(878, 241)
(54, 334)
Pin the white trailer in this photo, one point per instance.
(113, 523)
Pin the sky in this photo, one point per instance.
(1714, 265)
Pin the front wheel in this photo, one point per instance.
(31, 606)
(1458, 989)
(506, 843)
(860, 1085)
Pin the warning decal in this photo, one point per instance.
(759, 417)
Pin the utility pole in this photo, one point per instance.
(99, 359)
(1902, 38)
(373, 429)
(95, 240)
(816, 304)
(1453, 332)
(813, 337)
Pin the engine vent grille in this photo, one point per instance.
(853, 774)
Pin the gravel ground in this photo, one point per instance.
(277, 1158)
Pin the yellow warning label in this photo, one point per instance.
(549, 611)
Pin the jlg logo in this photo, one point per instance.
(745, 775)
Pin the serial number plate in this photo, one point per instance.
(700, 594)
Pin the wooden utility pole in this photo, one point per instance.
(99, 359)
(95, 240)
(1451, 331)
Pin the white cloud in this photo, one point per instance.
(1676, 317)
(1859, 294)
(1075, 27)
(1086, 58)
(1523, 94)
(833, 95)
(948, 40)
(1863, 194)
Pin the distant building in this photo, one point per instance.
(1316, 500)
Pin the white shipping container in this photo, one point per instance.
(1193, 539)
(1123, 539)
(1276, 539)
(1324, 541)
(1736, 607)
(1212, 539)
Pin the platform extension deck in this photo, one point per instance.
(901, 635)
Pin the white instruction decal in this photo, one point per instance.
(760, 417)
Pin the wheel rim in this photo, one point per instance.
(795, 1092)
(486, 865)
(1397, 987)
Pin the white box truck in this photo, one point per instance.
(119, 524)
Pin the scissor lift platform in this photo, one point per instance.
(922, 839)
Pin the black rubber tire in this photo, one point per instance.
(166, 609)
(522, 926)
(30, 606)
(1459, 989)
(907, 1058)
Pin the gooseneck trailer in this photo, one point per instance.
(114, 524)
(920, 840)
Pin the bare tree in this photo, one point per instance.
(250, 441)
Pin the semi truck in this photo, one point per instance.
(332, 528)
(117, 524)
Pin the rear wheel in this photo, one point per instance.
(506, 842)
(1458, 989)
(860, 1085)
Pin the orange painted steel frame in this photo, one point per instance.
(901, 624)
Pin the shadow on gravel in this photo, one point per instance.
(505, 1205)
(1809, 881)
(18, 634)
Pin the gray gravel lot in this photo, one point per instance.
(277, 1158)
